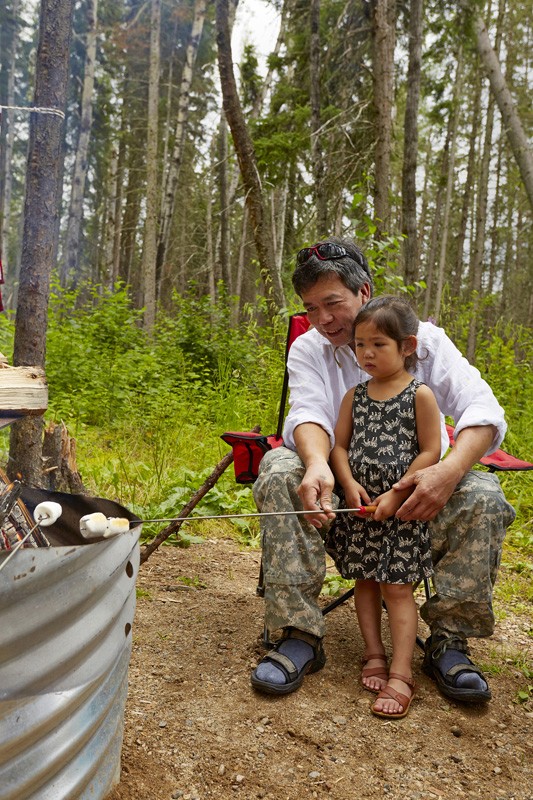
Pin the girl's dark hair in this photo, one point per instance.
(394, 317)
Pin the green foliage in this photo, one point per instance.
(148, 412)
(250, 77)
(334, 586)
(195, 582)
(7, 334)
(382, 254)
(94, 346)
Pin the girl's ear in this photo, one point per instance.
(409, 345)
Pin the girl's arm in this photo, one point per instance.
(355, 494)
(428, 434)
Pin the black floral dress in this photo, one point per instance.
(383, 445)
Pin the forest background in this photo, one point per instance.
(187, 183)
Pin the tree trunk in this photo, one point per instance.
(467, 194)
(172, 175)
(247, 164)
(410, 148)
(110, 220)
(70, 264)
(224, 239)
(40, 215)
(118, 200)
(319, 193)
(130, 220)
(434, 239)
(425, 201)
(150, 226)
(450, 174)
(211, 283)
(7, 134)
(383, 39)
(239, 278)
(511, 120)
(280, 218)
(478, 254)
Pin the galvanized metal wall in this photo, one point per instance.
(66, 616)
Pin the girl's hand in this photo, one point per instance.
(356, 495)
(387, 504)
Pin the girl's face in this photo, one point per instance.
(378, 354)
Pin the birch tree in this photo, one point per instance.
(171, 176)
(511, 119)
(8, 44)
(383, 43)
(410, 148)
(316, 145)
(150, 228)
(70, 263)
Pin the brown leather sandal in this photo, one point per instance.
(388, 693)
(374, 672)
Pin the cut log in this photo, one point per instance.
(23, 390)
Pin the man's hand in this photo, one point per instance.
(433, 488)
(315, 490)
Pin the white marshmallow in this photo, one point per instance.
(92, 525)
(47, 513)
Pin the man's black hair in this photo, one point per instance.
(352, 269)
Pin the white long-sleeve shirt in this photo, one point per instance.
(320, 375)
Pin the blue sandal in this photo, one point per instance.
(447, 680)
(293, 675)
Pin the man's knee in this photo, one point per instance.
(477, 512)
(280, 473)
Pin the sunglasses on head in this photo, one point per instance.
(325, 251)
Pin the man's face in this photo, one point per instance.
(332, 308)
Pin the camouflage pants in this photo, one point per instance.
(466, 541)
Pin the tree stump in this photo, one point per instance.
(60, 470)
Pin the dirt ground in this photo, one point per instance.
(194, 728)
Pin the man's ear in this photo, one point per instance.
(365, 293)
(409, 345)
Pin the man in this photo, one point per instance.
(467, 512)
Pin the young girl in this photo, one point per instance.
(387, 427)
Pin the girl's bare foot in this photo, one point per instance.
(374, 674)
(393, 701)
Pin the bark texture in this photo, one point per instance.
(247, 164)
(40, 218)
(384, 39)
(410, 150)
(150, 226)
(512, 122)
(70, 265)
(171, 178)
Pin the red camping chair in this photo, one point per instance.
(249, 448)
